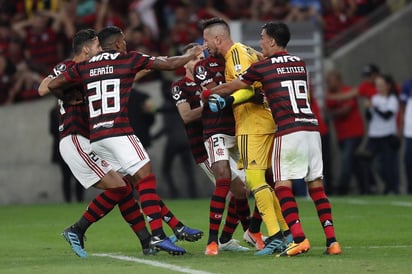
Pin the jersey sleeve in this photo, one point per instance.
(202, 74)
(251, 75)
(141, 61)
(72, 75)
(178, 94)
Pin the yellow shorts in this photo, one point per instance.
(255, 151)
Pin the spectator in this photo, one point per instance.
(367, 87)
(305, 10)
(43, 48)
(406, 129)
(67, 177)
(103, 16)
(338, 17)
(383, 143)
(349, 127)
(7, 70)
(270, 10)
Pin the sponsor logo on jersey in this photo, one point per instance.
(104, 56)
(238, 68)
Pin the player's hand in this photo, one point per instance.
(216, 102)
(196, 50)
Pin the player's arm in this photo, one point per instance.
(224, 90)
(342, 96)
(43, 88)
(187, 114)
(175, 62)
(58, 85)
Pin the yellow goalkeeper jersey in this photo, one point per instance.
(250, 118)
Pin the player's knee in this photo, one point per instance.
(255, 178)
(221, 169)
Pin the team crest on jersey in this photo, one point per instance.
(176, 92)
(238, 68)
(201, 73)
(104, 163)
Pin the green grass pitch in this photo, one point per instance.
(375, 234)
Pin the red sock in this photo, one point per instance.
(217, 207)
(104, 203)
(290, 212)
(168, 216)
(149, 201)
(255, 221)
(243, 212)
(131, 212)
(324, 212)
(231, 220)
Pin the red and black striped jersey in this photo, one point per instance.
(73, 119)
(107, 80)
(285, 82)
(207, 71)
(186, 90)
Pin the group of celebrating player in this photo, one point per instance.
(225, 129)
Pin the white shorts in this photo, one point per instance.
(84, 163)
(125, 153)
(205, 166)
(220, 147)
(297, 155)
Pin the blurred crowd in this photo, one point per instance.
(372, 123)
(36, 34)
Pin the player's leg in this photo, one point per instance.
(279, 216)
(317, 193)
(232, 218)
(128, 156)
(239, 190)
(255, 151)
(286, 150)
(88, 169)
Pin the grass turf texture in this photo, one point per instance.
(375, 234)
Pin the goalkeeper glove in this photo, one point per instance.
(216, 102)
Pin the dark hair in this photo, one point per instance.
(189, 46)
(108, 36)
(81, 38)
(278, 31)
(214, 21)
(393, 89)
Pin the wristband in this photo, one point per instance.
(206, 93)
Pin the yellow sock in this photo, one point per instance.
(278, 211)
(264, 197)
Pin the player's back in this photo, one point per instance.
(286, 88)
(107, 79)
(251, 118)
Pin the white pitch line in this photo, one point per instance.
(370, 247)
(363, 202)
(153, 263)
